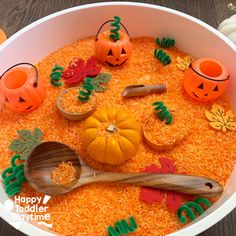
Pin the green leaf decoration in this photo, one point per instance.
(101, 78)
(25, 134)
(26, 142)
(17, 145)
(38, 134)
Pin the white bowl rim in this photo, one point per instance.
(192, 229)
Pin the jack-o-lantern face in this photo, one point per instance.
(206, 79)
(113, 53)
(21, 91)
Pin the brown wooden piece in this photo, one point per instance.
(48, 155)
(158, 146)
(70, 115)
(143, 90)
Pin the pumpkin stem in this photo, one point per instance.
(231, 6)
(111, 128)
(114, 33)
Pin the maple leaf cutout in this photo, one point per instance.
(183, 63)
(78, 70)
(150, 195)
(219, 119)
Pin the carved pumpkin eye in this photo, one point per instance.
(123, 51)
(216, 89)
(201, 86)
(110, 53)
(21, 99)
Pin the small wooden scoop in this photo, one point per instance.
(46, 156)
(143, 90)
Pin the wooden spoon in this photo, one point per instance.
(48, 155)
(142, 90)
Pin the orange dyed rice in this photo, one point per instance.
(64, 173)
(90, 209)
(71, 103)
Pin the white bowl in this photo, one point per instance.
(191, 35)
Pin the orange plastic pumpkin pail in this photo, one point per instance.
(206, 79)
(22, 89)
(113, 53)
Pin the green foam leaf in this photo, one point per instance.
(101, 78)
(26, 142)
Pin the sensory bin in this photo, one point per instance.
(204, 128)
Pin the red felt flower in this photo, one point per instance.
(150, 195)
(78, 70)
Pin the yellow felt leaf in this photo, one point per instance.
(210, 116)
(231, 126)
(230, 114)
(216, 125)
(217, 109)
(184, 63)
(219, 119)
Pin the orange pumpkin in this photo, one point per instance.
(113, 53)
(3, 36)
(111, 135)
(22, 89)
(206, 79)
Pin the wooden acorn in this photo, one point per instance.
(113, 48)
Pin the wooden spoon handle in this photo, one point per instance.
(187, 184)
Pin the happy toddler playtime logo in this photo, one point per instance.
(34, 209)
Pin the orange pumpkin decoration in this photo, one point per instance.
(206, 79)
(113, 53)
(22, 89)
(3, 36)
(111, 135)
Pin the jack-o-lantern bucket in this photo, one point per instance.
(21, 88)
(113, 52)
(206, 79)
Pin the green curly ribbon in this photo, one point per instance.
(162, 56)
(114, 33)
(190, 208)
(204, 201)
(162, 112)
(55, 76)
(13, 177)
(88, 89)
(165, 43)
(122, 227)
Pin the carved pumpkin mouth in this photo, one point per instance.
(112, 65)
(195, 94)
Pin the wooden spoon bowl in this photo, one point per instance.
(48, 155)
(41, 162)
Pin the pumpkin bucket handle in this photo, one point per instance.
(108, 22)
(204, 76)
(24, 63)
